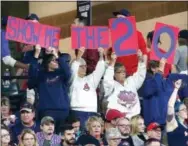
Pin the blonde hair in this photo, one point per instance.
(5, 101)
(94, 119)
(28, 131)
(134, 124)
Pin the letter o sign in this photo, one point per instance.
(170, 32)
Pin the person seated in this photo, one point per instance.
(27, 120)
(47, 137)
(68, 135)
(113, 137)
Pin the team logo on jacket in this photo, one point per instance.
(86, 87)
(127, 99)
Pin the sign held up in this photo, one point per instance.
(91, 37)
(28, 32)
(172, 31)
(124, 36)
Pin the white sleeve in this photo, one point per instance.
(108, 82)
(8, 60)
(74, 68)
(139, 76)
(98, 72)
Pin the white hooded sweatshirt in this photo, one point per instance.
(124, 98)
(83, 94)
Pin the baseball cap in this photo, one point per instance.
(32, 16)
(27, 107)
(153, 126)
(112, 114)
(183, 34)
(46, 120)
(123, 12)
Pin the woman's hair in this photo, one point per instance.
(117, 66)
(152, 64)
(5, 101)
(27, 131)
(46, 60)
(134, 124)
(93, 119)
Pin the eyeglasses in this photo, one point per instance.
(5, 135)
(83, 66)
(26, 139)
(123, 125)
(119, 72)
(115, 139)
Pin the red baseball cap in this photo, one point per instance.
(153, 126)
(112, 114)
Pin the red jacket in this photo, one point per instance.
(131, 62)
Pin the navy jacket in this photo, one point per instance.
(156, 92)
(52, 87)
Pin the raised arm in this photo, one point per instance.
(108, 82)
(171, 120)
(75, 64)
(34, 69)
(99, 69)
(139, 76)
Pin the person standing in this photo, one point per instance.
(131, 62)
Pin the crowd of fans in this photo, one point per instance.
(98, 98)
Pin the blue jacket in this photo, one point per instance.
(52, 87)
(156, 92)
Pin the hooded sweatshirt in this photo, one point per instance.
(83, 94)
(128, 93)
(52, 86)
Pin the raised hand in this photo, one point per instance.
(55, 52)
(163, 61)
(113, 56)
(37, 50)
(101, 51)
(80, 52)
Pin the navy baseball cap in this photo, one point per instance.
(123, 12)
(183, 34)
(32, 17)
(150, 36)
(4, 20)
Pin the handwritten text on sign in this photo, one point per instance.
(28, 32)
(90, 37)
(172, 31)
(124, 36)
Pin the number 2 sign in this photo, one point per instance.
(124, 36)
